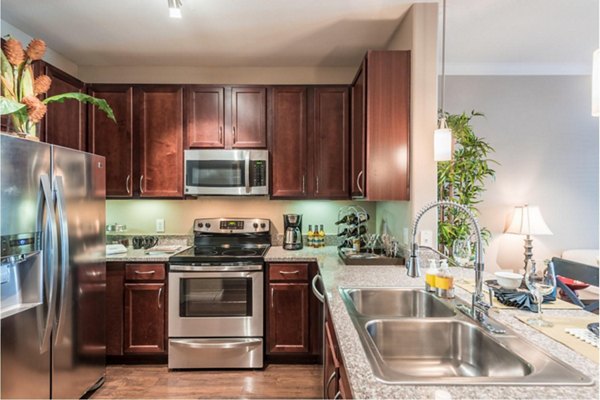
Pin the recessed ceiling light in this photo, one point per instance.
(175, 8)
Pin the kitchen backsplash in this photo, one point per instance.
(140, 215)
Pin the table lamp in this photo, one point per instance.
(528, 220)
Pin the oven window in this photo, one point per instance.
(215, 173)
(215, 297)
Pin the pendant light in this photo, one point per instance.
(442, 136)
(175, 8)
(596, 85)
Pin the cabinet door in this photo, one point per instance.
(388, 125)
(358, 137)
(161, 141)
(144, 318)
(288, 330)
(289, 142)
(205, 117)
(115, 273)
(114, 141)
(64, 123)
(248, 117)
(331, 143)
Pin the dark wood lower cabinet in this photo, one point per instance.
(144, 318)
(294, 317)
(335, 378)
(136, 317)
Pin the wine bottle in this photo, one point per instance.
(343, 233)
(309, 236)
(321, 236)
(360, 230)
(347, 219)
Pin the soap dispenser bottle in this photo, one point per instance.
(444, 281)
(430, 275)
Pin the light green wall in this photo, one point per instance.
(140, 215)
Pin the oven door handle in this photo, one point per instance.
(216, 344)
(215, 268)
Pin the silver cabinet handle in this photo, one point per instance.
(127, 181)
(331, 378)
(141, 184)
(145, 272)
(289, 272)
(50, 263)
(159, 293)
(338, 395)
(317, 183)
(64, 249)
(360, 189)
(234, 135)
(316, 292)
(210, 344)
(221, 134)
(303, 184)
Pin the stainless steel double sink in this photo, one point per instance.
(412, 337)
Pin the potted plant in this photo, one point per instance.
(20, 99)
(462, 180)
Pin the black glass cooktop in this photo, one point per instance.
(224, 253)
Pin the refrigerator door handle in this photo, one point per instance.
(64, 251)
(50, 257)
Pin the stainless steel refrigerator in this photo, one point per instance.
(52, 270)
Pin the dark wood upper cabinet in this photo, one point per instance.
(205, 116)
(358, 145)
(331, 142)
(161, 129)
(249, 117)
(289, 142)
(64, 123)
(387, 121)
(114, 141)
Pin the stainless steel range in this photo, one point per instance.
(216, 295)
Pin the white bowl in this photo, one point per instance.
(509, 280)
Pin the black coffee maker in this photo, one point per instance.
(292, 231)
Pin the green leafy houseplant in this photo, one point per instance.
(19, 96)
(462, 180)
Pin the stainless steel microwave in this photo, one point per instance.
(227, 172)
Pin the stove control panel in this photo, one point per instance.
(232, 225)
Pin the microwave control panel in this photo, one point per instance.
(258, 173)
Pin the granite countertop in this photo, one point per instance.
(139, 255)
(361, 379)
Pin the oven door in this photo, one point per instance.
(221, 303)
(226, 172)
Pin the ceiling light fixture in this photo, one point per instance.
(442, 136)
(175, 8)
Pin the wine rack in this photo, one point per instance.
(352, 224)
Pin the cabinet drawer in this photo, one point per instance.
(288, 272)
(144, 272)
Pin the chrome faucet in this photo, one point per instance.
(479, 308)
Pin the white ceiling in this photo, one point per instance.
(481, 34)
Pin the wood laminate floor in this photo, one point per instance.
(156, 381)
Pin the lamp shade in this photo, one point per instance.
(528, 220)
(442, 144)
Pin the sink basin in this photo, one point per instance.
(449, 348)
(395, 302)
(412, 337)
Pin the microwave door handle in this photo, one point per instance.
(247, 170)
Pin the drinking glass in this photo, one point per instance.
(540, 285)
(461, 252)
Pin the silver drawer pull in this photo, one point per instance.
(289, 272)
(145, 272)
(216, 344)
